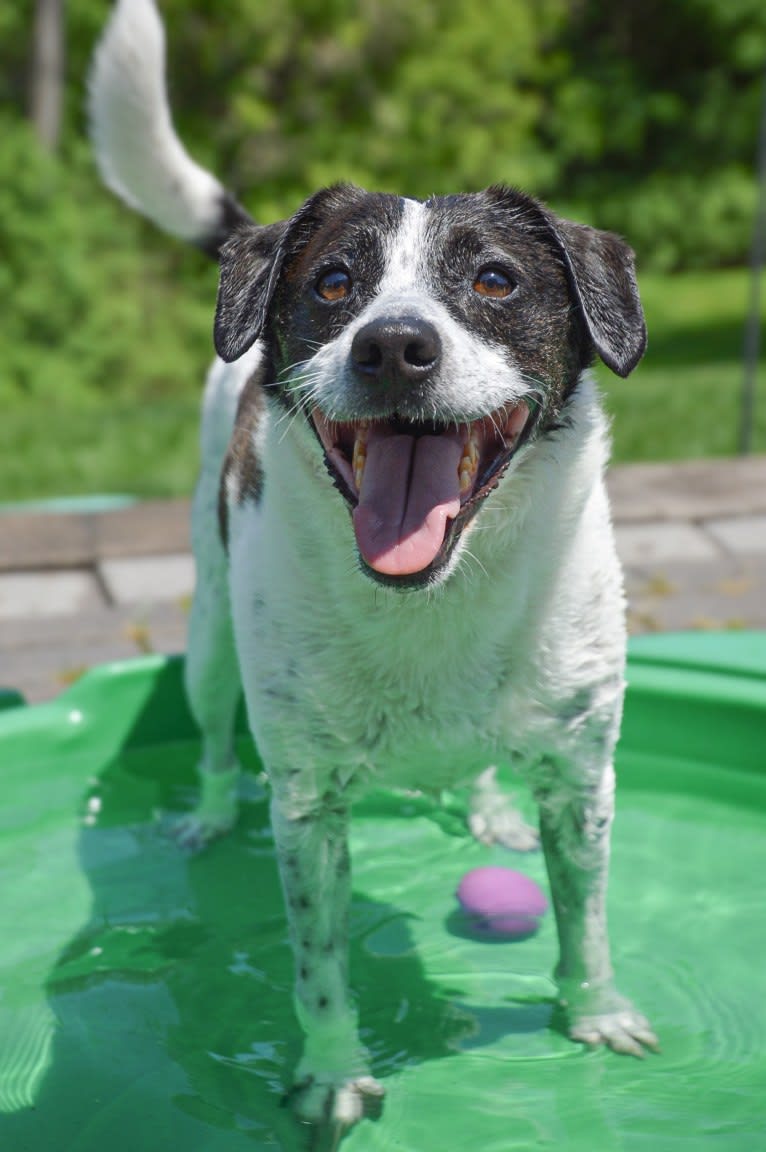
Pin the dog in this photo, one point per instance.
(402, 536)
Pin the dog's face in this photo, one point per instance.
(424, 344)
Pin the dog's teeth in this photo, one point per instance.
(469, 464)
(359, 458)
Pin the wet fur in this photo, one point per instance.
(512, 650)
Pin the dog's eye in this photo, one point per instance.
(333, 285)
(493, 282)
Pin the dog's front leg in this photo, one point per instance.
(575, 832)
(332, 1080)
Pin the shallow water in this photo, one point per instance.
(147, 1001)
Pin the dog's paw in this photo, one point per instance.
(493, 819)
(615, 1023)
(627, 1032)
(340, 1105)
(215, 815)
(195, 831)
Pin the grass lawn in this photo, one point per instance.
(684, 399)
(102, 446)
(682, 402)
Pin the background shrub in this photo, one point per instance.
(640, 116)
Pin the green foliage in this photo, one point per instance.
(656, 129)
(640, 116)
(675, 225)
(580, 101)
(416, 95)
(106, 334)
(89, 297)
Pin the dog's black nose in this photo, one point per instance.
(402, 350)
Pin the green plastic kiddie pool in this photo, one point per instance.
(145, 996)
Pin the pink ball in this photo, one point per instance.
(501, 902)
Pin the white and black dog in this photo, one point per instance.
(408, 564)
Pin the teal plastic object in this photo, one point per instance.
(103, 502)
(145, 996)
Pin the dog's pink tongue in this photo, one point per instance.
(410, 489)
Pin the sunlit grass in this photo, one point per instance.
(106, 445)
(685, 398)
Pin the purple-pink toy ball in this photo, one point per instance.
(501, 902)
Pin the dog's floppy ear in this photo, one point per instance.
(251, 264)
(251, 260)
(602, 271)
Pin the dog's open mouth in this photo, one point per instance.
(414, 486)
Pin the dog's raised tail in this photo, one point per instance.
(139, 155)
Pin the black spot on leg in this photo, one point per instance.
(304, 902)
(323, 1003)
(305, 972)
(576, 706)
(283, 696)
(596, 828)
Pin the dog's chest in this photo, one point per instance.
(416, 702)
(377, 689)
(347, 681)
(407, 722)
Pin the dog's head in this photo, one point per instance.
(425, 344)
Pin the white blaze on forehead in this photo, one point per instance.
(476, 376)
(405, 251)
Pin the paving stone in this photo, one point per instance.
(42, 657)
(43, 539)
(150, 528)
(727, 593)
(743, 536)
(659, 542)
(45, 594)
(148, 579)
(688, 489)
(31, 540)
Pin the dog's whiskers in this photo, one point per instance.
(472, 559)
(288, 418)
(303, 388)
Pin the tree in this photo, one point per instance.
(46, 81)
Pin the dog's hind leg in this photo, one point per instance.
(211, 672)
(333, 1085)
(494, 819)
(212, 684)
(213, 690)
